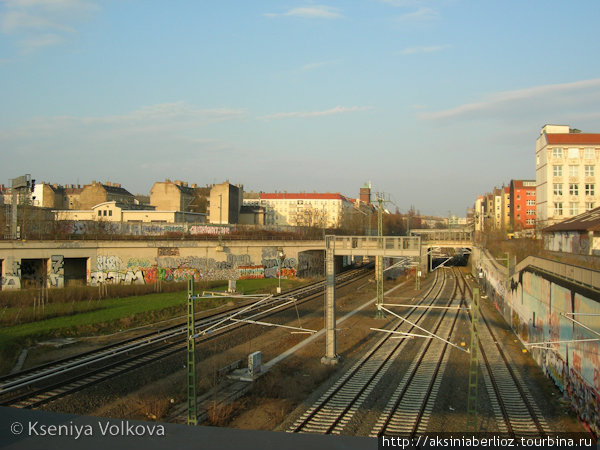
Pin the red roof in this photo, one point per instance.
(301, 196)
(520, 184)
(573, 138)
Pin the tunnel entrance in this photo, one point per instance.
(75, 271)
(34, 273)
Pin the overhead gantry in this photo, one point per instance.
(379, 247)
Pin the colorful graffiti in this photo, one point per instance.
(251, 272)
(538, 308)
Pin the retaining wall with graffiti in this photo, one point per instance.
(55, 264)
(542, 308)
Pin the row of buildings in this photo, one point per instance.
(567, 174)
(179, 202)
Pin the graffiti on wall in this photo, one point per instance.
(56, 277)
(107, 263)
(168, 251)
(251, 272)
(204, 229)
(311, 264)
(12, 280)
(171, 267)
(537, 308)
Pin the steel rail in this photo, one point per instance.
(331, 409)
(178, 334)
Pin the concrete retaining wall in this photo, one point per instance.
(141, 262)
(538, 303)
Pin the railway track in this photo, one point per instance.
(336, 407)
(34, 387)
(409, 408)
(514, 407)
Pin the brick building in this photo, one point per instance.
(523, 205)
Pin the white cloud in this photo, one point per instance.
(165, 117)
(41, 23)
(423, 49)
(420, 15)
(149, 143)
(311, 12)
(327, 112)
(39, 41)
(564, 97)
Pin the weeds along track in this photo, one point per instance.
(335, 409)
(513, 404)
(42, 384)
(408, 410)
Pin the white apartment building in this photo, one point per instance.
(305, 209)
(567, 173)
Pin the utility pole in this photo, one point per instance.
(379, 259)
(192, 418)
(472, 403)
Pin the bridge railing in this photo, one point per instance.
(390, 243)
(444, 235)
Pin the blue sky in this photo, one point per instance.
(433, 101)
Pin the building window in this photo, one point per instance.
(557, 171)
(573, 152)
(530, 221)
(110, 212)
(532, 202)
(531, 212)
(530, 193)
(518, 216)
(589, 206)
(518, 207)
(573, 208)
(590, 189)
(589, 171)
(589, 153)
(558, 210)
(104, 213)
(518, 197)
(573, 189)
(557, 152)
(99, 213)
(558, 189)
(573, 171)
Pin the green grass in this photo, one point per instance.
(109, 315)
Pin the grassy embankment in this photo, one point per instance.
(22, 326)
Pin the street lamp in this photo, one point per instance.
(280, 257)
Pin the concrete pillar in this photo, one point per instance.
(331, 357)
(56, 271)
(11, 273)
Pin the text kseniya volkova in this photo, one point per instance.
(98, 429)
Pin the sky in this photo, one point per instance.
(432, 101)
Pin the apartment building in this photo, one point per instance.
(567, 173)
(324, 210)
(523, 205)
(95, 193)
